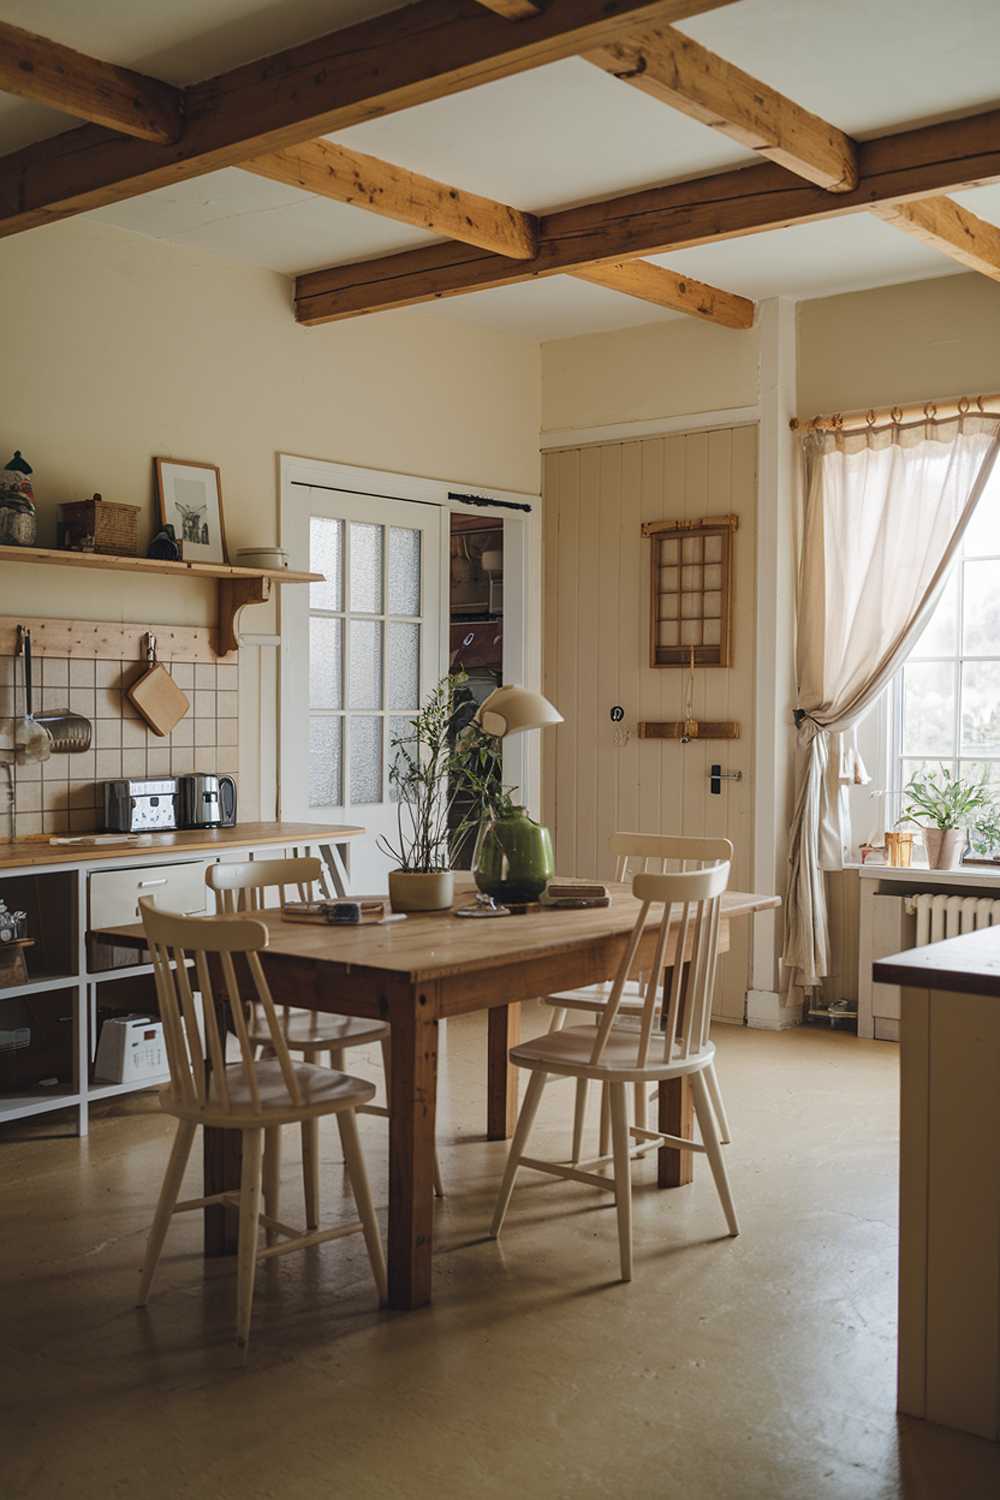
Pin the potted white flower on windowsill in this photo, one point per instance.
(942, 810)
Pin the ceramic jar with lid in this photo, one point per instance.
(18, 521)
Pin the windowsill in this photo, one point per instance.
(986, 874)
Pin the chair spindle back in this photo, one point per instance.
(660, 853)
(173, 940)
(698, 894)
(242, 887)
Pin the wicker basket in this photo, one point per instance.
(97, 525)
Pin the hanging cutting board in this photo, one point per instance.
(157, 696)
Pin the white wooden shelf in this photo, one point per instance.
(111, 1090)
(39, 986)
(236, 586)
(18, 1106)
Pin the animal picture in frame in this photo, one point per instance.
(190, 499)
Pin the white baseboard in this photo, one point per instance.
(769, 1011)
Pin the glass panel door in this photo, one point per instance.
(360, 653)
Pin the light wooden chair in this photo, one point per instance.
(243, 887)
(637, 853)
(634, 1050)
(254, 1097)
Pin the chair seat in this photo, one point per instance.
(569, 1052)
(311, 1031)
(323, 1091)
(593, 998)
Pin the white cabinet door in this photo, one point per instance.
(360, 653)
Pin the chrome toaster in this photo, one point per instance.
(141, 805)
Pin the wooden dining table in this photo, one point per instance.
(417, 972)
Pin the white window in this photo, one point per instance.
(946, 701)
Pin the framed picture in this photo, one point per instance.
(190, 499)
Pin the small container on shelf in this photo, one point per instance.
(99, 525)
(900, 849)
(18, 521)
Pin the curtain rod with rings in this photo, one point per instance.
(894, 416)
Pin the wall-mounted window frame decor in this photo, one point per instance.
(691, 591)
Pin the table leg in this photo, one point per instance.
(411, 1152)
(223, 1166)
(675, 1168)
(504, 1032)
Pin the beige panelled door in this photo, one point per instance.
(596, 655)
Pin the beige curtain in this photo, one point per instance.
(885, 510)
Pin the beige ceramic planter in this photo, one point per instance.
(409, 891)
(945, 847)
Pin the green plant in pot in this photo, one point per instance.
(425, 778)
(984, 835)
(513, 858)
(942, 807)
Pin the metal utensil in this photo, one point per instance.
(32, 740)
(70, 733)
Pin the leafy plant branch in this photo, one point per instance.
(948, 802)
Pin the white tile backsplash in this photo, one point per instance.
(64, 794)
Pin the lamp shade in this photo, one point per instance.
(510, 710)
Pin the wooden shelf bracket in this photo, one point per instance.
(234, 595)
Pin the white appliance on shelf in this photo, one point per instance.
(130, 1048)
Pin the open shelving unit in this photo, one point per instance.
(236, 587)
(81, 967)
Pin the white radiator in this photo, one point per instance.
(940, 917)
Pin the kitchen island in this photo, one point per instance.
(949, 1194)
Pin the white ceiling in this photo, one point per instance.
(559, 135)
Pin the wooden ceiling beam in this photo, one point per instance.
(425, 51)
(949, 227)
(923, 162)
(47, 72)
(383, 188)
(366, 182)
(679, 71)
(666, 288)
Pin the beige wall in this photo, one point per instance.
(658, 370)
(118, 347)
(924, 339)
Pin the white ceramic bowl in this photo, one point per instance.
(261, 557)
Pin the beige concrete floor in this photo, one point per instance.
(757, 1367)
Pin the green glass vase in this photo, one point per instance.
(513, 859)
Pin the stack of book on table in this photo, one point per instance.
(571, 895)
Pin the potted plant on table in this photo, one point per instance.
(942, 808)
(512, 859)
(425, 779)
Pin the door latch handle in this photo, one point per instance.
(716, 776)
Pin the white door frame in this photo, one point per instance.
(522, 634)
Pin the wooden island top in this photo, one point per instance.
(968, 965)
(24, 854)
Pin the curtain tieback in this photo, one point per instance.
(800, 715)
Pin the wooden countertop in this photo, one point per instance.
(26, 853)
(969, 964)
(434, 945)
